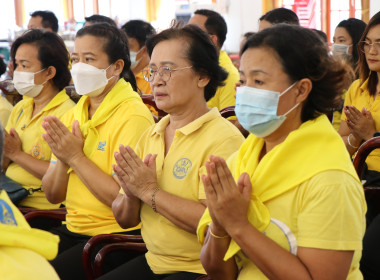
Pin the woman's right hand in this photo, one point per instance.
(137, 177)
(227, 201)
(66, 146)
(361, 123)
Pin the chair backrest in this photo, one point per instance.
(364, 150)
(149, 100)
(330, 116)
(94, 270)
(52, 214)
(228, 112)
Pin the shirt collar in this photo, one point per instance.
(189, 128)
(364, 85)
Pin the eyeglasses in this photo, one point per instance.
(365, 46)
(164, 71)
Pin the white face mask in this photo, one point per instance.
(89, 80)
(24, 83)
(340, 49)
(133, 56)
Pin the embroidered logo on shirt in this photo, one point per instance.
(37, 152)
(6, 214)
(101, 145)
(181, 168)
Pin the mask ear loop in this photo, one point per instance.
(288, 112)
(105, 70)
(285, 91)
(37, 73)
(137, 53)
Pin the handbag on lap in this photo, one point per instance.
(15, 191)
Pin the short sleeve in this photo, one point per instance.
(331, 212)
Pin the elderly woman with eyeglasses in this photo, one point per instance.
(160, 180)
(361, 113)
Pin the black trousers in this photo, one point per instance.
(372, 178)
(68, 263)
(370, 262)
(138, 269)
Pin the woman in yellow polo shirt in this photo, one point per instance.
(361, 112)
(41, 73)
(164, 192)
(288, 204)
(109, 114)
(360, 121)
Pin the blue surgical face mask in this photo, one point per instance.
(256, 110)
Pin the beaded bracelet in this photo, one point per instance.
(349, 143)
(153, 199)
(216, 236)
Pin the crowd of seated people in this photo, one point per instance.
(205, 199)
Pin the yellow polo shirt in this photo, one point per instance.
(85, 213)
(325, 212)
(5, 110)
(358, 96)
(225, 95)
(144, 88)
(30, 131)
(142, 85)
(171, 248)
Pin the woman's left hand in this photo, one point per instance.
(227, 201)
(12, 144)
(138, 177)
(361, 123)
(66, 146)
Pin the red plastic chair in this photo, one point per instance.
(364, 150)
(228, 112)
(361, 155)
(330, 115)
(115, 242)
(53, 214)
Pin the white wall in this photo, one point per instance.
(374, 7)
(242, 16)
(127, 10)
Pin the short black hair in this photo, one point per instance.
(100, 19)
(354, 27)
(51, 52)
(115, 46)
(139, 30)
(322, 35)
(280, 15)
(199, 50)
(302, 54)
(49, 20)
(248, 34)
(215, 24)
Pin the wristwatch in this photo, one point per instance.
(376, 134)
